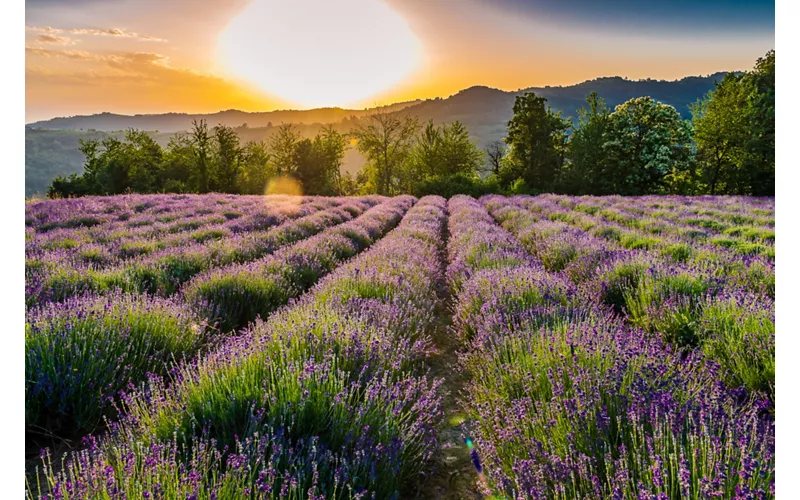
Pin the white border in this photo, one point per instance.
(12, 249)
(787, 182)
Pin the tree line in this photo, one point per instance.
(640, 147)
(206, 160)
(644, 146)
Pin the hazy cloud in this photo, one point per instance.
(54, 39)
(116, 32)
(69, 54)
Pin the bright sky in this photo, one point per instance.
(155, 56)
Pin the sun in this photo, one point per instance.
(319, 53)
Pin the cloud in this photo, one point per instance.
(54, 39)
(69, 54)
(115, 32)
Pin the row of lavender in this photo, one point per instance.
(328, 398)
(81, 352)
(148, 261)
(571, 399)
(718, 301)
(673, 224)
(105, 231)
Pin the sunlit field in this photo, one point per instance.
(230, 346)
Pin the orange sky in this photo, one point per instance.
(148, 56)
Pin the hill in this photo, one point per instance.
(51, 145)
(174, 122)
(486, 111)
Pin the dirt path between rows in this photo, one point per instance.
(454, 476)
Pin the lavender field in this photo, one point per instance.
(549, 347)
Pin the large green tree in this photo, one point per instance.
(200, 140)
(760, 113)
(734, 129)
(386, 139)
(444, 151)
(227, 159)
(257, 168)
(114, 166)
(720, 132)
(645, 142)
(587, 171)
(178, 165)
(537, 144)
(282, 147)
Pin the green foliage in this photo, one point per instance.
(386, 140)
(236, 299)
(642, 147)
(227, 159)
(645, 141)
(317, 163)
(283, 146)
(537, 144)
(735, 132)
(204, 160)
(257, 168)
(586, 172)
(620, 279)
(451, 185)
(669, 305)
(445, 150)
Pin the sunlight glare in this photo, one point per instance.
(319, 53)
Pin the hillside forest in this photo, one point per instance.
(641, 146)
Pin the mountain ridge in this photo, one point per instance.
(612, 88)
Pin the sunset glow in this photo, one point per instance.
(317, 53)
(262, 55)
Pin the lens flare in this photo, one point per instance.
(283, 185)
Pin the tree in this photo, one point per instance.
(141, 157)
(425, 157)
(586, 173)
(734, 128)
(495, 152)
(459, 155)
(115, 166)
(309, 160)
(282, 147)
(227, 159)
(333, 145)
(386, 140)
(440, 154)
(92, 165)
(349, 185)
(201, 150)
(178, 165)
(720, 132)
(537, 142)
(257, 168)
(760, 117)
(645, 141)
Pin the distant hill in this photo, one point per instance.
(174, 122)
(486, 111)
(51, 145)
